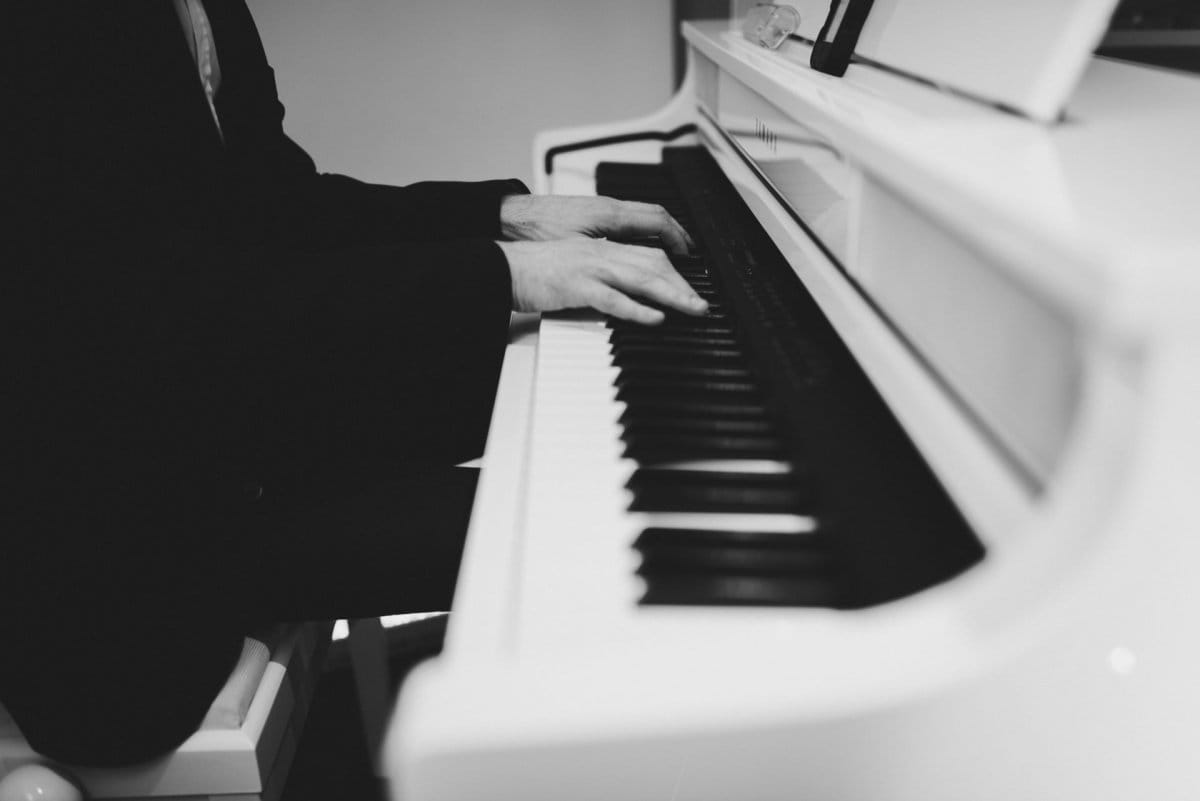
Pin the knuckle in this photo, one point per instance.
(642, 279)
(608, 300)
(613, 207)
(602, 272)
(662, 264)
(595, 249)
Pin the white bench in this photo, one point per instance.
(244, 748)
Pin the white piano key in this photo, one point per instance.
(755, 466)
(773, 523)
(578, 573)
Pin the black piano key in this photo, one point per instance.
(640, 171)
(690, 339)
(674, 322)
(663, 193)
(796, 486)
(689, 328)
(666, 348)
(710, 491)
(646, 362)
(716, 312)
(678, 384)
(811, 562)
(653, 355)
(613, 177)
(737, 590)
(665, 537)
(648, 390)
(688, 263)
(682, 372)
(716, 390)
(637, 424)
(684, 447)
(694, 337)
(716, 315)
(688, 406)
(679, 325)
(705, 478)
(677, 416)
(719, 500)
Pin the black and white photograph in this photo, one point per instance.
(641, 400)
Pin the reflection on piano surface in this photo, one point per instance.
(908, 515)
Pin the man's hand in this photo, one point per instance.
(557, 268)
(573, 273)
(548, 217)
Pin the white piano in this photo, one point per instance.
(992, 591)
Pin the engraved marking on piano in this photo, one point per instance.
(767, 135)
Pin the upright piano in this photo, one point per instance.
(911, 514)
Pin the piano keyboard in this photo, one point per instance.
(680, 573)
(748, 458)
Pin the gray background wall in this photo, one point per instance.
(402, 90)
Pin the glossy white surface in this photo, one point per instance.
(1116, 180)
(37, 783)
(1023, 54)
(247, 760)
(1059, 668)
(1007, 355)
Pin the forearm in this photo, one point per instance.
(325, 211)
(191, 330)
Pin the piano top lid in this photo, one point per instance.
(1097, 213)
(1026, 55)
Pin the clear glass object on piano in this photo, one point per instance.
(769, 25)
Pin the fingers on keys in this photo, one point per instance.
(639, 220)
(645, 274)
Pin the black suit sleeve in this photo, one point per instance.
(182, 318)
(288, 190)
(173, 298)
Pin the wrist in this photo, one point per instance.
(516, 263)
(517, 219)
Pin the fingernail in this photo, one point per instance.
(697, 302)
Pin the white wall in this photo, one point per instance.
(395, 91)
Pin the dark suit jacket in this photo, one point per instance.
(173, 298)
(184, 317)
